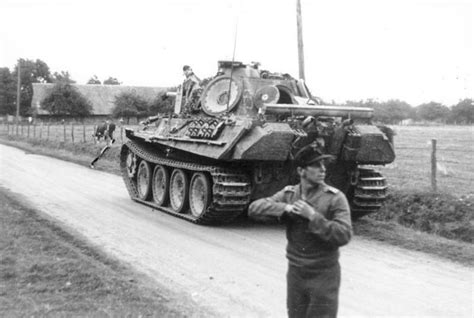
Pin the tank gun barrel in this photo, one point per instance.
(320, 110)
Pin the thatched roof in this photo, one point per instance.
(101, 96)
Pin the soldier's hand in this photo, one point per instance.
(303, 209)
(289, 208)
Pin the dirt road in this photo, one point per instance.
(237, 270)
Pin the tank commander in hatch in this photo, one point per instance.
(318, 222)
(191, 90)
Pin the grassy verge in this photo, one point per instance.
(80, 153)
(395, 234)
(441, 214)
(44, 271)
(438, 224)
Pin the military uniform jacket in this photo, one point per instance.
(312, 243)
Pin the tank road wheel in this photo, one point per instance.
(200, 194)
(144, 177)
(161, 185)
(179, 190)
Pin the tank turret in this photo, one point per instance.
(232, 138)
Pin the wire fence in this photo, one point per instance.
(65, 132)
(433, 158)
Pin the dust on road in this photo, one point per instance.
(236, 270)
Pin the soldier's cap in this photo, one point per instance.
(186, 67)
(309, 155)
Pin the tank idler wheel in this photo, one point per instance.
(144, 177)
(161, 185)
(199, 194)
(179, 190)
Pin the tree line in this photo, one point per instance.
(395, 111)
(66, 100)
(38, 72)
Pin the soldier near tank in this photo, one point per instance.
(191, 90)
(106, 131)
(318, 222)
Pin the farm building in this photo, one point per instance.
(101, 96)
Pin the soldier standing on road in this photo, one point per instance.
(318, 222)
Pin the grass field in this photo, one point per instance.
(455, 156)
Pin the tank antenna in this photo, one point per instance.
(232, 65)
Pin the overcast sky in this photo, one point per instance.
(414, 50)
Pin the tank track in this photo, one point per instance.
(230, 190)
(369, 194)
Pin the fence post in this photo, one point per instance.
(22, 130)
(28, 131)
(121, 134)
(433, 165)
(83, 132)
(41, 131)
(72, 132)
(8, 129)
(34, 130)
(47, 137)
(64, 131)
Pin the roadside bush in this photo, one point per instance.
(437, 213)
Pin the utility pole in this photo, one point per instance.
(18, 90)
(299, 24)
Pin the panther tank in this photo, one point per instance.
(232, 140)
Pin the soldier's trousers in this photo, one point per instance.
(313, 293)
(102, 152)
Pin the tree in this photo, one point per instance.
(93, 81)
(372, 103)
(63, 77)
(112, 81)
(432, 111)
(66, 100)
(30, 72)
(463, 112)
(392, 111)
(130, 105)
(7, 92)
(161, 104)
